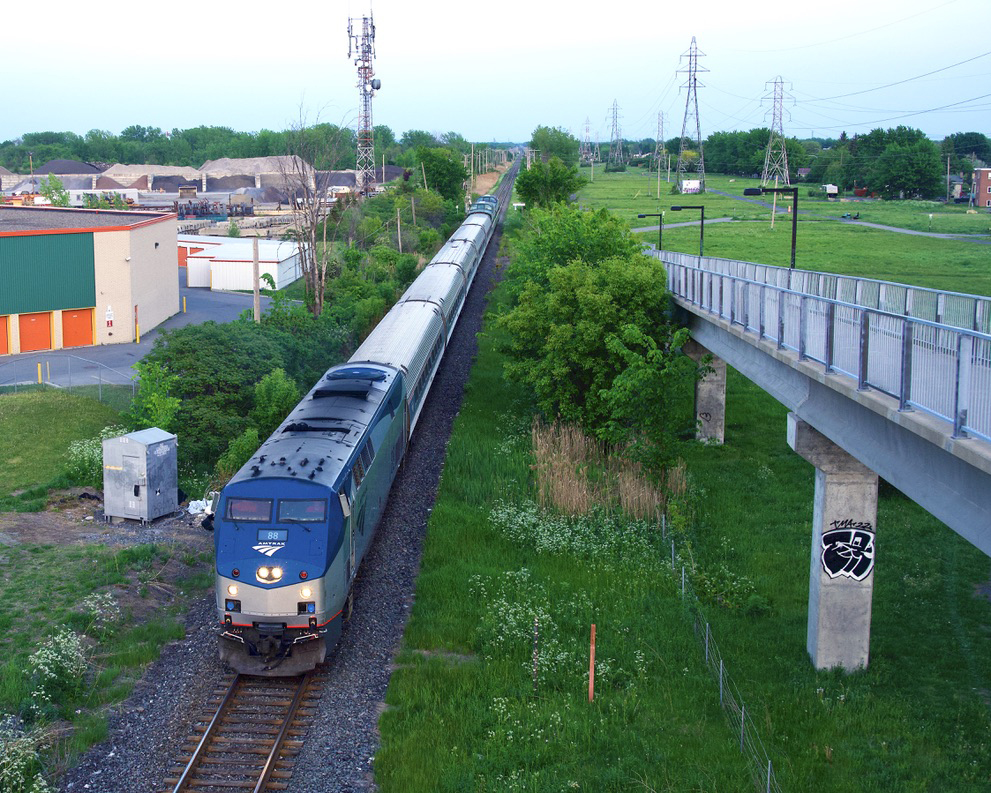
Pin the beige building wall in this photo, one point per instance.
(155, 273)
(111, 251)
(135, 268)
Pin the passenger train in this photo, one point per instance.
(293, 525)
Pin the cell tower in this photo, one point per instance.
(585, 152)
(616, 142)
(363, 49)
(776, 158)
(691, 121)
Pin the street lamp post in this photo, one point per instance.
(794, 210)
(660, 225)
(701, 222)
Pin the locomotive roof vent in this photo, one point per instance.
(357, 373)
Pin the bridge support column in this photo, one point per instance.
(841, 578)
(710, 396)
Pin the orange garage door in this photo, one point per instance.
(4, 343)
(36, 331)
(77, 327)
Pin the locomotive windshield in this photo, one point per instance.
(248, 509)
(309, 510)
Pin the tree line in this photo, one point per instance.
(337, 146)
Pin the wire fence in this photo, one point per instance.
(730, 699)
(69, 373)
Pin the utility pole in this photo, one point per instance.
(616, 142)
(691, 121)
(362, 47)
(776, 156)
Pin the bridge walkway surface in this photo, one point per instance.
(882, 379)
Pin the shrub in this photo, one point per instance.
(85, 458)
(275, 396)
(20, 763)
(57, 671)
(238, 453)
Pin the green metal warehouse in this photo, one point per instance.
(76, 277)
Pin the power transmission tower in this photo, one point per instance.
(660, 148)
(616, 142)
(776, 157)
(691, 121)
(363, 48)
(585, 152)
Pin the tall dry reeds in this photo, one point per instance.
(575, 473)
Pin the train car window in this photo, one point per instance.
(358, 471)
(249, 509)
(302, 510)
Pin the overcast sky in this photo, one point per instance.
(494, 71)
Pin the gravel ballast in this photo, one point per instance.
(147, 731)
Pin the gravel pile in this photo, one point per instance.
(147, 731)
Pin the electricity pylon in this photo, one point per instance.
(776, 157)
(616, 142)
(691, 120)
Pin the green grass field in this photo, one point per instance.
(462, 714)
(824, 243)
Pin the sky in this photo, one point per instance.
(493, 72)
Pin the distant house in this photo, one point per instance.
(981, 189)
(226, 263)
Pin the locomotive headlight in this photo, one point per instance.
(305, 593)
(263, 573)
(232, 590)
(276, 573)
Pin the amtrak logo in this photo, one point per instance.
(268, 550)
(849, 552)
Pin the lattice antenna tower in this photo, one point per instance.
(616, 141)
(362, 49)
(585, 152)
(691, 122)
(776, 157)
(660, 148)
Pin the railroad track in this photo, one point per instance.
(250, 738)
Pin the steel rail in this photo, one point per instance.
(208, 735)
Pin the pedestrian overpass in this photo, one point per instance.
(881, 379)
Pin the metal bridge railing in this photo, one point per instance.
(940, 366)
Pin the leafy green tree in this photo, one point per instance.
(910, 170)
(52, 189)
(239, 451)
(156, 404)
(544, 184)
(275, 396)
(444, 170)
(563, 234)
(560, 334)
(555, 142)
(644, 418)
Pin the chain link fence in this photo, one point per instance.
(730, 698)
(70, 373)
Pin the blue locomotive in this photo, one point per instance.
(293, 525)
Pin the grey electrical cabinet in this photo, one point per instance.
(140, 475)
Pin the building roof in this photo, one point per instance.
(66, 166)
(19, 220)
(5, 172)
(240, 250)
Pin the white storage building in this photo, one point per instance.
(225, 264)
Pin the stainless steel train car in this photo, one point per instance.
(293, 525)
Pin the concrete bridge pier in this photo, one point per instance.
(710, 396)
(841, 576)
